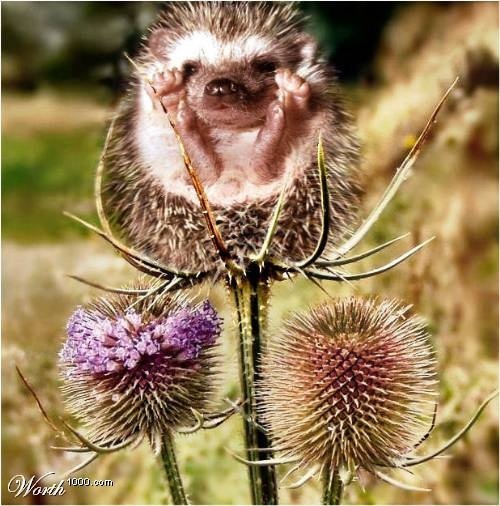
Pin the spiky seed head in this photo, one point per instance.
(138, 370)
(349, 383)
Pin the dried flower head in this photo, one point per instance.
(132, 370)
(351, 384)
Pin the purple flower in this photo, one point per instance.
(130, 367)
(100, 344)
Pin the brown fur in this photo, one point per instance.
(169, 226)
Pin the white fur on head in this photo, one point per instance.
(206, 47)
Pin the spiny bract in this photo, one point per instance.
(349, 383)
(131, 370)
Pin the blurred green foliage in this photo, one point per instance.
(44, 174)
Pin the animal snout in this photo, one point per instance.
(222, 87)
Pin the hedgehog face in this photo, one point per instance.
(227, 82)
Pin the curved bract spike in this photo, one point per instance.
(71, 449)
(325, 209)
(361, 256)
(456, 437)
(196, 427)
(138, 69)
(102, 449)
(431, 428)
(213, 420)
(379, 270)
(157, 289)
(271, 230)
(302, 481)
(141, 262)
(98, 449)
(268, 462)
(98, 179)
(80, 466)
(400, 176)
(42, 410)
(109, 289)
(399, 484)
(208, 215)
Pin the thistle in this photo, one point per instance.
(134, 369)
(349, 384)
(135, 372)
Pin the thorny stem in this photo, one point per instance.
(250, 295)
(172, 470)
(333, 487)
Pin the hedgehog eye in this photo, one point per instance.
(189, 68)
(265, 66)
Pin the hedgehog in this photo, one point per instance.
(249, 94)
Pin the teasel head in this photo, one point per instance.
(132, 368)
(349, 385)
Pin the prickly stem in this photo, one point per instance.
(332, 487)
(173, 476)
(250, 294)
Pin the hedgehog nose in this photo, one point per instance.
(221, 87)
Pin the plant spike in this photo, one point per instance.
(196, 427)
(98, 180)
(325, 208)
(109, 289)
(303, 480)
(262, 463)
(374, 272)
(92, 447)
(399, 484)
(80, 466)
(397, 180)
(96, 447)
(42, 410)
(420, 460)
(141, 262)
(361, 256)
(207, 212)
(272, 227)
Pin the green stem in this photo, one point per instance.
(332, 487)
(250, 295)
(172, 471)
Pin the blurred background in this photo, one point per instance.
(63, 71)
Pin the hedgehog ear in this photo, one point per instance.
(157, 42)
(308, 47)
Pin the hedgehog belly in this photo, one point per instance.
(172, 229)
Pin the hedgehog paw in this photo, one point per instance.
(168, 88)
(294, 91)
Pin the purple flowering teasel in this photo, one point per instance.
(134, 370)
